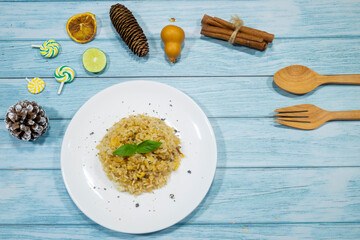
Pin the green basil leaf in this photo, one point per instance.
(125, 150)
(148, 146)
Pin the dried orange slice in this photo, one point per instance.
(82, 27)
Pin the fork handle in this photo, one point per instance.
(340, 79)
(345, 115)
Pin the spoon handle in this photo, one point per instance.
(341, 79)
(345, 115)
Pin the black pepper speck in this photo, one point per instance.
(105, 189)
(92, 133)
(137, 205)
(172, 196)
(189, 171)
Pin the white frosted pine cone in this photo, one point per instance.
(26, 120)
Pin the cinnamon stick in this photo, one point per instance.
(226, 31)
(209, 20)
(249, 43)
(218, 22)
(226, 24)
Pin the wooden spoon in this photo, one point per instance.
(299, 79)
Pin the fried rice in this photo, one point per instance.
(140, 172)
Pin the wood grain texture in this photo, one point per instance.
(217, 96)
(309, 116)
(272, 182)
(325, 56)
(239, 195)
(241, 142)
(212, 232)
(300, 79)
(296, 18)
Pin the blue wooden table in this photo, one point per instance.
(271, 182)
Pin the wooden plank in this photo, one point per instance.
(241, 142)
(230, 231)
(285, 202)
(217, 96)
(297, 18)
(200, 57)
(291, 195)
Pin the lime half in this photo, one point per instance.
(94, 60)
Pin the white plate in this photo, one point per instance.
(96, 196)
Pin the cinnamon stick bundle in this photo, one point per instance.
(221, 29)
(245, 42)
(209, 28)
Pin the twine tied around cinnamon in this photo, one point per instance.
(218, 28)
(238, 23)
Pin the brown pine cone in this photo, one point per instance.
(26, 120)
(129, 29)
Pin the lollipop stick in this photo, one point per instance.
(61, 86)
(36, 46)
(27, 79)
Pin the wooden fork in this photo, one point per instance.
(308, 116)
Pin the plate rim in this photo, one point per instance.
(208, 124)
